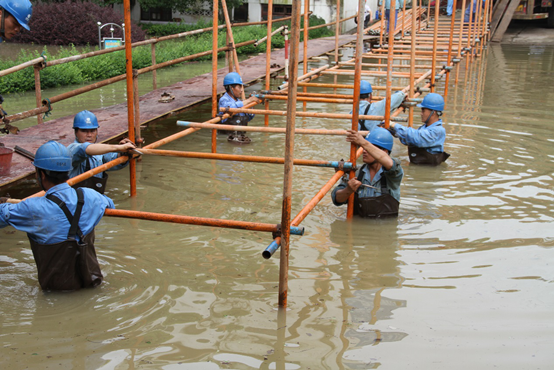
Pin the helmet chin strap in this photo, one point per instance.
(232, 93)
(39, 177)
(429, 117)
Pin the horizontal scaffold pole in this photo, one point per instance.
(277, 130)
(304, 114)
(246, 158)
(200, 221)
(341, 86)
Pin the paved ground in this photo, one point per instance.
(522, 32)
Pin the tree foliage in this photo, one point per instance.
(64, 23)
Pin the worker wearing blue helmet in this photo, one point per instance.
(86, 154)
(232, 99)
(425, 144)
(376, 187)
(15, 14)
(60, 225)
(377, 108)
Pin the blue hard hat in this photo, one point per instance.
(232, 78)
(365, 88)
(432, 101)
(53, 156)
(20, 9)
(380, 137)
(85, 120)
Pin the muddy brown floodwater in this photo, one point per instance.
(463, 279)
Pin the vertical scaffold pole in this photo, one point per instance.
(435, 36)
(470, 27)
(38, 91)
(356, 97)
(305, 52)
(449, 58)
(289, 156)
(136, 105)
(403, 16)
(460, 37)
(419, 18)
(215, 32)
(154, 72)
(268, 55)
(130, 109)
(390, 59)
(382, 24)
(337, 31)
(286, 37)
(412, 64)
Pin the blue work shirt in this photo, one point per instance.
(378, 109)
(227, 101)
(45, 222)
(431, 137)
(79, 158)
(394, 178)
(398, 4)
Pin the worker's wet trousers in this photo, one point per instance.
(71, 264)
(384, 205)
(422, 156)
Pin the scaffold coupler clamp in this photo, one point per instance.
(277, 234)
(340, 166)
(447, 68)
(456, 60)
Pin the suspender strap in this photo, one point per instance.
(73, 219)
(383, 180)
(362, 121)
(361, 173)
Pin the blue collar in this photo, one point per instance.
(59, 187)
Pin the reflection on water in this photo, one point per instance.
(462, 279)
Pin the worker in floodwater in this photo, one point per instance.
(378, 108)
(86, 154)
(231, 99)
(60, 225)
(15, 14)
(399, 4)
(377, 183)
(425, 144)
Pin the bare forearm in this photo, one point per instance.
(379, 155)
(341, 196)
(99, 149)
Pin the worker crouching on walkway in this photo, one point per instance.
(86, 154)
(60, 225)
(425, 144)
(231, 99)
(377, 183)
(367, 108)
(15, 14)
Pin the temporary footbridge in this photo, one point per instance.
(417, 57)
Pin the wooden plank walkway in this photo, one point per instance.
(113, 120)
